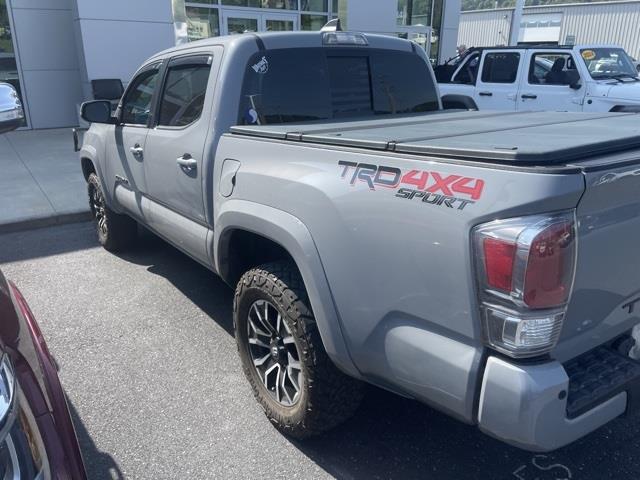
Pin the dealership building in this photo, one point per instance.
(52, 50)
(613, 22)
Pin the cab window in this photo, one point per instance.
(297, 85)
(553, 68)
(500, 67)
(136, 106)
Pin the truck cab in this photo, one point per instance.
(589, 78)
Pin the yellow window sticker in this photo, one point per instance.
(588, 54)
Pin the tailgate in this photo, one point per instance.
(606, 295)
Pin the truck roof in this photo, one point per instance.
(296, 39)
(522, 138)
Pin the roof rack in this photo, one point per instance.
(523, 47)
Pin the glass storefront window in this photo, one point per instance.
(237, 25)
(272, 25)
(438, 8)
(8, 63)
(414, 12)
(202, 23)
(243, 3)
(314, 5)
(312, 22)
(280, 4)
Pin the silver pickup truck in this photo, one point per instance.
(484, 263)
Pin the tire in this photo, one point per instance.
(325, 397)
(115, 232)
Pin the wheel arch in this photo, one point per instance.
(453, 101)
(632, 108)
(279, 235)
(88, 167)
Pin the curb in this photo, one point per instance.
(34, 223)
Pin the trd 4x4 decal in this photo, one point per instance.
(452, 191)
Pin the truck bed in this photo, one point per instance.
(522, 138)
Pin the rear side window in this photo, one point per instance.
(183, 95)
(500, 67)
(296, 85)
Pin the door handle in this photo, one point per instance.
(136, 150)
(187, 162)
(529, 96)
(485, 94)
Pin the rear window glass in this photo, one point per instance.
(500, 67)
(297, 85)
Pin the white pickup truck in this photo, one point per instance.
(590, 78)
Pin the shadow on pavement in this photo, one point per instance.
(98, 464)
(19, 246)
(204, 288)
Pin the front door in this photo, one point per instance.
(552, 83)
(234, 22)
(126, 151)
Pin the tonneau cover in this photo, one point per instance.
(526, 138)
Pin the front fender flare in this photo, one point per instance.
(289, 232)
(89, 152)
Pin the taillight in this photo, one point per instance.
(525, 268)
(498, 260)
(550, 266)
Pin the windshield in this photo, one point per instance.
(604, 63)
(306, 84)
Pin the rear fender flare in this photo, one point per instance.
(290, 233)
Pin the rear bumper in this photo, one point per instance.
(527, 405)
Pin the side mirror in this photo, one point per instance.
(97, 111)
(11, 112)
(575, 85)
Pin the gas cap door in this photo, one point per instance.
(228, 176)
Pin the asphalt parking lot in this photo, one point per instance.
(155, 388)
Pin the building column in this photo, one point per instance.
(448, 34)
(115, 37)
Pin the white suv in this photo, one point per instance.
(590, 78)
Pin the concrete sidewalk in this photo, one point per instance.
(41, 182)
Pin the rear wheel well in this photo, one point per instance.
(87, 168)
(458, 102)
(244, 250)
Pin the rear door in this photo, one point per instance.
(174, 150)
(497, 85)
(552, 82)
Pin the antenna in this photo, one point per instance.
(332, 26)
